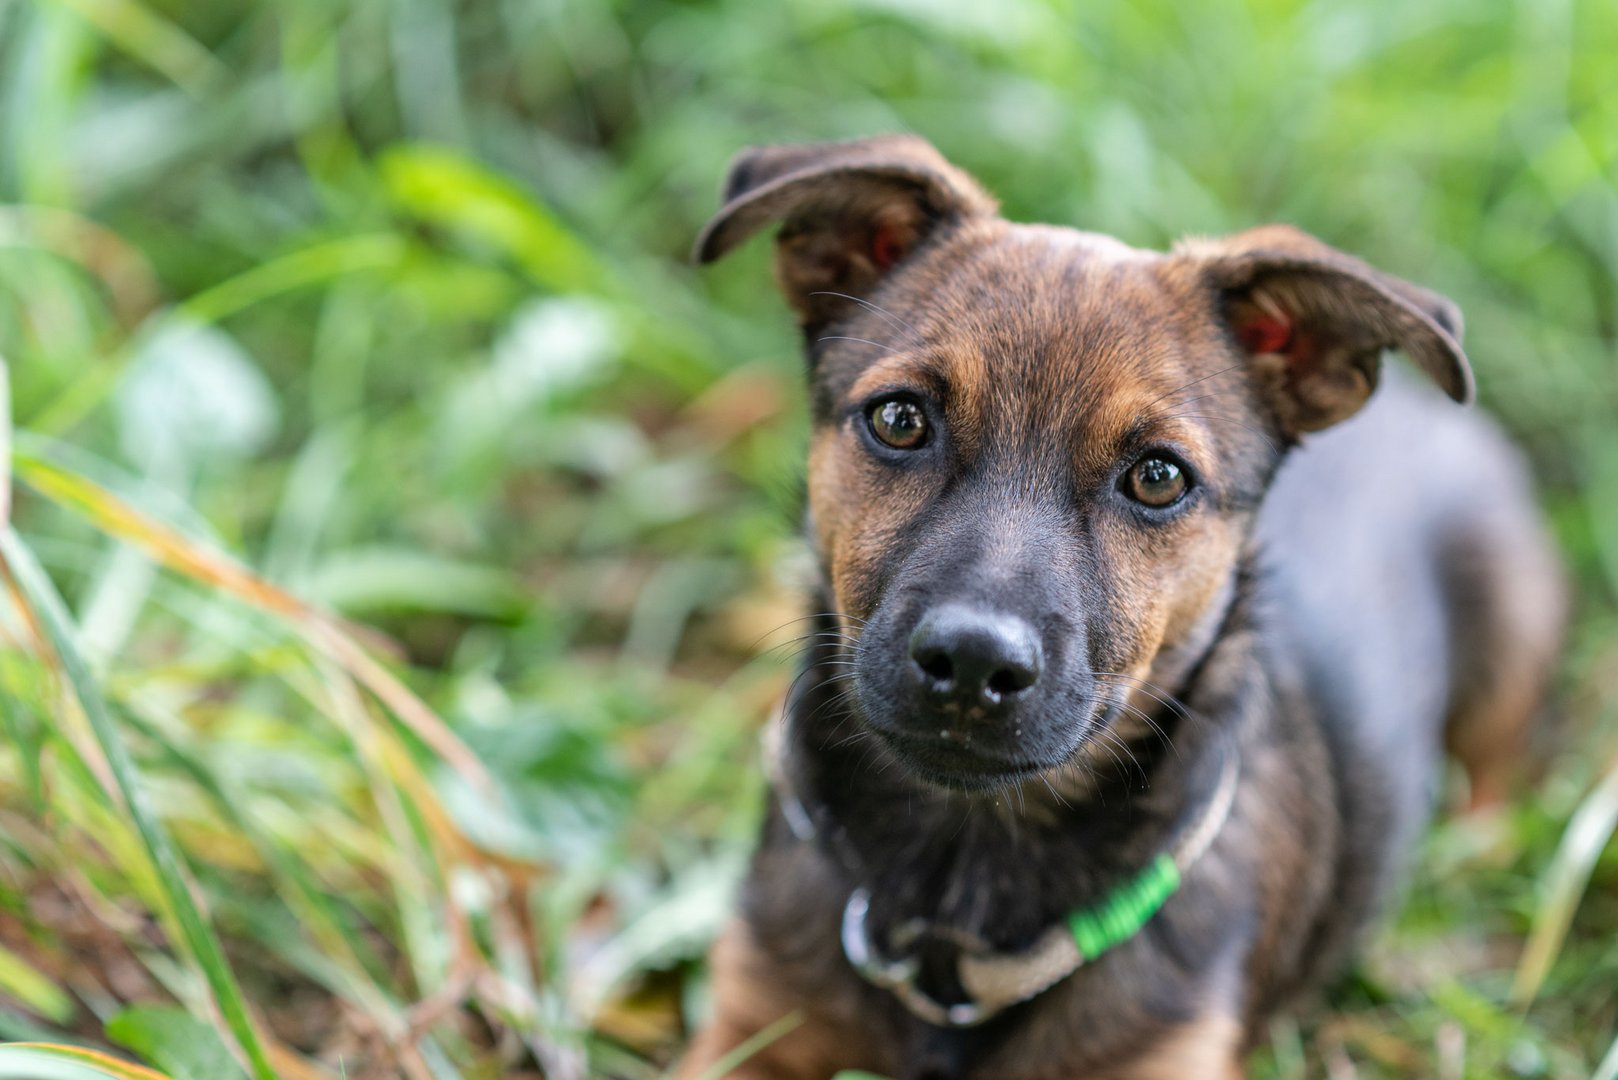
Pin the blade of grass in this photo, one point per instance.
(122, 269)
(51, 1061)
(5, 445)
(294, 270)
(20, 980)
(297, 269)
(199, 941)
(1608, 1069)
(748, 1047)
(348, 956)
(214, 569)
(1588, 832)
(154, 41)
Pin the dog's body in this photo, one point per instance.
(1068, 624)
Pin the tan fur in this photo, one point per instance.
(1514, 600)
(1208, 1049)
(747, 999)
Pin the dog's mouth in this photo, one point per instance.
(965, 762)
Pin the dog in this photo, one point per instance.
(1141, 629)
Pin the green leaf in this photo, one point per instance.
(20, 979)
(444, 188)
(175, 1041)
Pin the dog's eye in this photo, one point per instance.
(1155, 482)
(899, 423)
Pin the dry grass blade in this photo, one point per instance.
(198, 937)
(748, 1047)
(42, 1060)
(213, 569)
(1588, 832)
(120, 267)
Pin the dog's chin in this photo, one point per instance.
(958, 766)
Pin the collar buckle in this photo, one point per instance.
(899, 976)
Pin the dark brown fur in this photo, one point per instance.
(1394, 579)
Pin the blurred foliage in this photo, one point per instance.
(389, 300)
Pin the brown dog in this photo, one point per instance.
(1128, 691)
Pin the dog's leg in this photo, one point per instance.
(1205, 1049)
(1507, 608)
(748, 997)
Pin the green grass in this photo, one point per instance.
(327, 315)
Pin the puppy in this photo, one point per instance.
(1127, 690)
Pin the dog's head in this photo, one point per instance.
(1037, 452)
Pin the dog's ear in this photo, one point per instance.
(850, 213)
(1314, 322)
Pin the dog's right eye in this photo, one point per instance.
(1156, 481)
(898, 422)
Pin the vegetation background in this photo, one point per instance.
(321, 314)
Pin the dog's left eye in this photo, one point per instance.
(899, 423)
(1156, 482)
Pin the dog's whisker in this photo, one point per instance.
(1043, 779)
(804, 618)
(805, 644)
(1121, 700)
(1182, 403)
(1227, 420)
(887, 350)
(851, 739)
(1141, 715)
(1152, 690)
(877, 309)
(1194, 382)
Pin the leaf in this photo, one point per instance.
(193, 393)
(560, 792)
(441, 186)
(186, 1047)
(680, 924)
(551, 347)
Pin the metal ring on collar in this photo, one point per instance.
(899, 976)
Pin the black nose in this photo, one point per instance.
(974, 657)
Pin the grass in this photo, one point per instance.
(399, 528)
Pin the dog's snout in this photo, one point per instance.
(975, 657)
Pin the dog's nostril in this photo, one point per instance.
(935, 664)
(1011, 680)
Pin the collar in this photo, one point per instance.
(995, 981)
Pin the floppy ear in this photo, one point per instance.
(1315, 321)
(850, 213)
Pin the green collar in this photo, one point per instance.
(996, 981)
